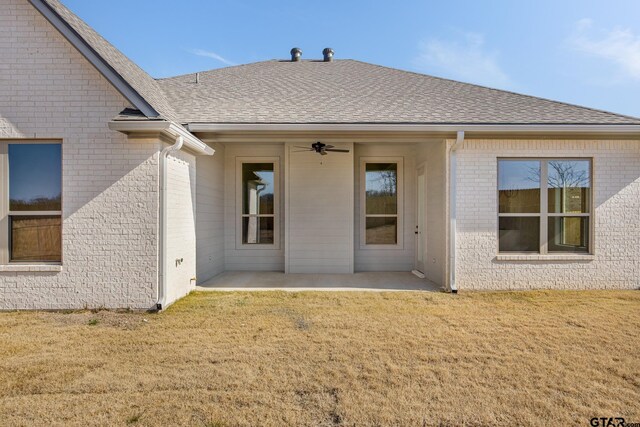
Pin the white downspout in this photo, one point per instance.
(452, 211)
(162, 227)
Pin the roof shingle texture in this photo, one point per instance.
(349, 91)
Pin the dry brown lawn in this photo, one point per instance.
(324, 358)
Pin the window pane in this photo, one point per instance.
(381, 188)
(257, 230)
(35, 177)
(569, 186)
(568, 234)
(519, 186)
(36, 238)
(519, 234)
(381, 231)
(257, 188)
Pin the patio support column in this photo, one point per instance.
(452, 210)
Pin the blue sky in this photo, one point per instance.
(518, 174)
(35, 170)
(585, 52)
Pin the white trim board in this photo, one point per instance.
(169, 128)
(393, 127)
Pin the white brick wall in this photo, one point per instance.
(616, 184)
(48, 90)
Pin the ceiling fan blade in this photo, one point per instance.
(328, 146)
(323, 153)
(337, 150)
(301, 151)
(304, 148)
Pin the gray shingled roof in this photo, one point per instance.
(343, 91)
(348, 91)
(135, 76)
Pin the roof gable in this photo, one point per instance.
(135, 84)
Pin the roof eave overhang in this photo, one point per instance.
(627, 130)
(118, 82)
(163, 127)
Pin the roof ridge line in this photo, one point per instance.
(211, 70)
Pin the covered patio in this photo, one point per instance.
(364, 281)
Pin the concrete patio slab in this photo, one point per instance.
(370, 281)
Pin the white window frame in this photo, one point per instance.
(276, 203)
(544, 214)
(5, 213)
(399, 161)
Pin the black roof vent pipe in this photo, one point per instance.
(327, 54)
(296, 54)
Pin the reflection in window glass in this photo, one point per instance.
(519, 186)
(258, 203)
(35, 177)
(35, 195)
(569, 186)
(519, 234)
(257, 188)
(381, 203)
(568, 234)
(381, 230)
(257, 230)
(381, 188)
(36, 238)
(563, 220)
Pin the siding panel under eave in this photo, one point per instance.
(320, 209)
(210, 214)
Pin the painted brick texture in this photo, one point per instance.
(616, 181)
(110, 185)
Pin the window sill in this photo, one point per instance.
(46, 268)
(547, 258)
(381, 247)
(257, 247)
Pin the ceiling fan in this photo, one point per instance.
(322, 149)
